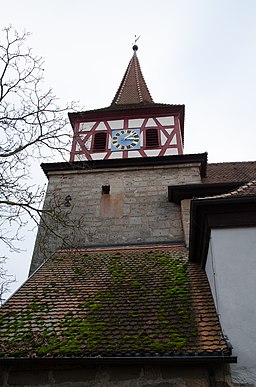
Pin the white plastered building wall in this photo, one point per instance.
(231, 271)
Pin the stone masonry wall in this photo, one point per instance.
(136, 211)
(109, 376)
(185, 215)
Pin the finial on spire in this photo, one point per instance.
(135, 47)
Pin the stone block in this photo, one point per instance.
(161, 232)
(152, 373)
(131, 199)
(125, 373)
(135, 220)
(137, 211)
(126, 209)
(74, 375)
(28, 378)
(2, 378)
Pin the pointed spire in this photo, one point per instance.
(133, 88)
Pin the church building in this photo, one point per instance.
(146, 275)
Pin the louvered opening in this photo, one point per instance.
(99, 143)
(152, 138)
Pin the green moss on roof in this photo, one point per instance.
(104, 303)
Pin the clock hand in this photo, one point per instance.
(129, 136)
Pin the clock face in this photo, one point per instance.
(125, 139)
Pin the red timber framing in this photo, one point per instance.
(167, 119)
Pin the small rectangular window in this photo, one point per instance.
(99, 143)
(152, 138)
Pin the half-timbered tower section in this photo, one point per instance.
(132, 126)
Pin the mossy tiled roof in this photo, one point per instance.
(112, 303)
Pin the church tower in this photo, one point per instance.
(112, 298)
(123, 159)
(132, 126)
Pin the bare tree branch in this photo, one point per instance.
(32, 125)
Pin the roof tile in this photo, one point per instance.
(110, 303)
(245, 190)
(133, 88)
(230, 172)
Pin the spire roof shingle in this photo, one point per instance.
(133, 88)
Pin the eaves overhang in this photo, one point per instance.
(200, 159)
(161, 360)
(209, 213)
(177, 193)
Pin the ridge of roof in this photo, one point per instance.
(246, 190)
(116, 303)
(133, 88)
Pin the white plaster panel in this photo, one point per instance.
(169, 131)
(116, 124)
(134, 154)
(98, 156)
(82, 136)
(135, 123)
(174, 140)
(171, 151)
(86, 126)
(166, 120)
(152, 152)
(80, 157)
(151, 122)
(109, 142)
(88, 143)
(163, 138)
(116, 155)
(101, 126)
(78, 147)
(141, 139)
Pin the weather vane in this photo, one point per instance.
(136, 39)
(135, 47)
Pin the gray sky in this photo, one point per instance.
(201, 53)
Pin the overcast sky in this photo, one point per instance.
(201, 53)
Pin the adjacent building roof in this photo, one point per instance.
(245, 190)
(230, 172)
(220, 180)
(133, 88)
(236, 208)
(133, 302)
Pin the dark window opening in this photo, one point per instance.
(99, 143)
(152, 138)
(105, 189)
